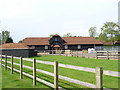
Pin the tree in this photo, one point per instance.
(67, 35)
(20, 41)
(4, 36)
(9, 40)
(92, 32)
(103, 37)
(51, 35)
(111, 29)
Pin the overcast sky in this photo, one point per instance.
(40, 18)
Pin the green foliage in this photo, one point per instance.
(92, 32)
(51, 35)
(110, 32)
(9, 40)
(20, 41)
(5, 37)
(68, 35)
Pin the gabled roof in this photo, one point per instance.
(36, 41)
(68, 40)
(56, 35)
(14, 46)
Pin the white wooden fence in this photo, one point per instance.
(98, 72)
(115, 55)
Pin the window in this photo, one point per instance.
(55, 39)
(66, 47)
(79, 46)
(33, 47)
(46, 47)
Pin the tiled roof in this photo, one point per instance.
(14, 46)
(56, 35)
(107, 43)
(81, 40)
(68, 40)
(36, 41)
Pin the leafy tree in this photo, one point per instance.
(103, 37)
(92, 32)
(20, 41)
(111, 29)
(67, 35)
(51, 35)
(9, 40)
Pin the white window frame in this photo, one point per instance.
(79, 46)
(46, 47)
(66, 46)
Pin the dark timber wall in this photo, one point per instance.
(19, 52)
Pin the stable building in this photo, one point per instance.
(17, 49)
(61, 43)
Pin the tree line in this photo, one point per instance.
(110, 31)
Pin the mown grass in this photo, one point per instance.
(79, 61)
(75, 74)
(14, 81)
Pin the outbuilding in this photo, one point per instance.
(17, 49)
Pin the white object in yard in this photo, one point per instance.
(91, 50)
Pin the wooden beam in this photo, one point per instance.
(11, 64)
(21, 73)
(34, 72)
(99, 73)
(55, 75)
(5, 62)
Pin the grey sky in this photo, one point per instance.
(40, 18)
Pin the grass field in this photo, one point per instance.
(79, 75)
(13, 81)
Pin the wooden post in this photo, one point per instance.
(5, 62)
(96, 55)
(107, 55)
(77, 53)
(82, 53)
(34, 72)
(21, 76)
(1, 61)
(99, 73)
(55, 75)
(11, 64)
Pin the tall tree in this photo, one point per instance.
(68, 35)
(111, 29)
(9, 40)
(92, 32)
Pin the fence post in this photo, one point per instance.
(96, 55)
(55, 75)
(34, 72)
(11, 64)
(107, 55)
(5, 62)
(77, 53)
(82, 53)
(99, 73)
(21, 76)
(1, 61)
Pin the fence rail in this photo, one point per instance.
(56, 76)
(94, 54)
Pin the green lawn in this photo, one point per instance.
(14, 81)
(85, 62)
(75, 74)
